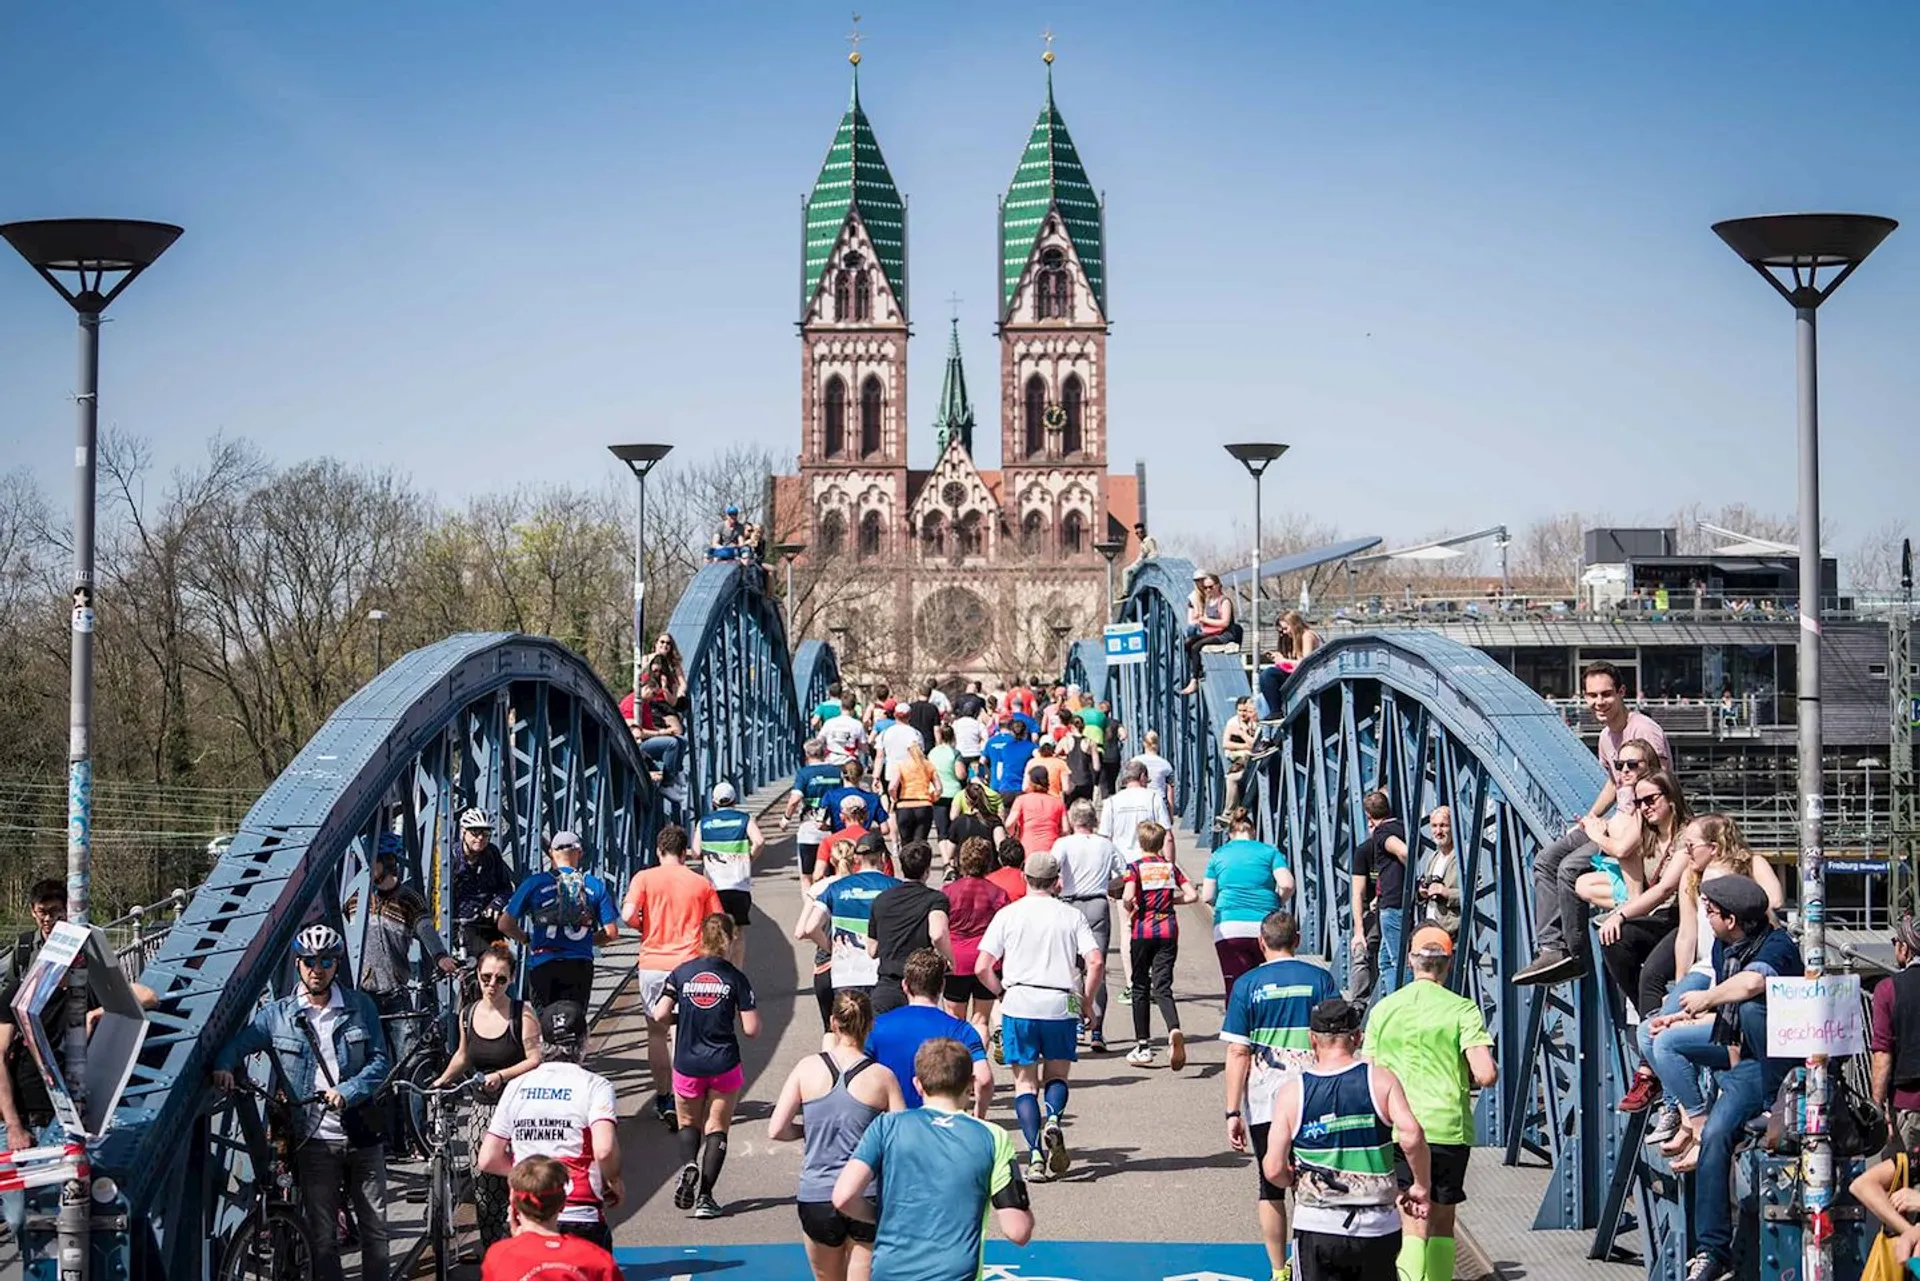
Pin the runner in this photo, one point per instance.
(566, 912)
(1010, 874)
(845, 737)
(892, 746)
(1036, 815)
(908, 916)
(915, 787)
(1155, 887)
(703, 996)
(537, 1195)
(1246, 880)
(950, 773)
(1159, 768)
(1090, 869)
(853, 780)
(1332, 1142)
(808, 801)
(1039, 939)
(561, 1110)
(835, 1095)
(667, 904)
(939, 1172)
(1008, 755)
(1267, 1038)
(853, 826)
(898, 1034)
(972, 903)
(1436, 1042)
(970, 738)
(841, 914)
(976, 812)
(727, 841)
(499, 1041)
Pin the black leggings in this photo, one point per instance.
(1626, 960)
(1153, 963)
(1229, 635)
(913, 822)
(1656, 975)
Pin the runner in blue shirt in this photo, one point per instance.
(841, 916)
(940, 1174)
(808, 802)
(852, 776)
(1007, 755)
(566, 911)
(898, 1034)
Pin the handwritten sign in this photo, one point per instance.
(1814, 1016)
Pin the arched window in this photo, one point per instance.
(969, 535)
(836, 442)
(1073, 534)
(841, 304)
(870, 417)
(933, 534)
(1032, 531)
(1055, 297)
(833, 533)
(870, 535)
(1071, 395)
(862, 296)
(1036, 416)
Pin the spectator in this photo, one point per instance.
(482, 884)
(397, 918)
(728, 538)
(1236, 748)
(1896, 1039)
(566, 912)
(499, 1041)
(1438, 892)
(1379, 866)
(659, 732)
(1210, 621)
(1149, 547)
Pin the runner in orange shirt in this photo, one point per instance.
(666, 904)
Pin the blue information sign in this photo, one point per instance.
(1126, 643)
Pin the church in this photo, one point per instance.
(955, 571)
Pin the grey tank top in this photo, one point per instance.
(834, 1123)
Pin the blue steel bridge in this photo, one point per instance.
(520, 726)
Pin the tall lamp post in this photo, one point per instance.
(640, 459)
(378, 617)
(1256, 457)
(1790, 251)
(789, 552)
(1110, 552)
(89, 262)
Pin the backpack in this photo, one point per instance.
(1855, 1125)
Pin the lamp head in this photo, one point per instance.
(89, 250)
(1790, 250)
(1256, 456)
(640, 458)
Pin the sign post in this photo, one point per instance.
(1126, 643)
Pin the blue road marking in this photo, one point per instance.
(1042, 1261)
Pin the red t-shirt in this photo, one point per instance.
(1010, 879)
(971, 903)
(535, 1256)
(1037, 819)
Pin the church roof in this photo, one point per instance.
(956, 411)
(855, 179)
(1050, 176)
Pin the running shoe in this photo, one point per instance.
(1666, 1123)
(1037, 1167)
(1054, 1140)
(687, 1190)
(1097, 1043)
(1644, 1090)
(1176, 1049)
(663, 1111)
(1126, 995)
(706, 1207)
(999, 1051)
(1141, 1055)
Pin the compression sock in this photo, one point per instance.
(1440, 1258)
(1056, 1098)
(713, 1155)
(688, 1137)
(1027, 1108)
(1411, 1265)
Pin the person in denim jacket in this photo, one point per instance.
(326, 1040)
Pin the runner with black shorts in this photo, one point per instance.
(725, 842)
(972, 903)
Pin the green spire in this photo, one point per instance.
(855, 179)
(955, 419)
(1051, 177)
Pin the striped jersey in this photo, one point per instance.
(1343, 1156)
(725, 850)
(1267, 1012)
(1156, 879)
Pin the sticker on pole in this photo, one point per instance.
(1126, 643)
(1814, 1016)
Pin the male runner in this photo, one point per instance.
(808, 801)
(726, 840)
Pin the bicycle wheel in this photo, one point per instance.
(446, 1239)
(270, 1245)
(425, 1071)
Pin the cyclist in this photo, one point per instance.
(326, 1041)
(567, 911)
(726, 841)
(482, 884)
(397, 917)
(703, 996)
(563, 1111)
(539, 1248)
(500, 1038)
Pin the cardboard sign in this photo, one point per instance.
(115, 1044)
(1814, 1016)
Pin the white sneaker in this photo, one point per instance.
(1141, 1056)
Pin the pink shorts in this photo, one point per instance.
(694, 1087)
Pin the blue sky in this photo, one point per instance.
(1458, 256)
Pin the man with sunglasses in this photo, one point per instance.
(326, 1041)
(1561, 943)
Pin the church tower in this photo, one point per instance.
(1053, 348)
(853, 344)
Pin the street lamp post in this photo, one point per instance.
(1110, 552)
(640, 459)
(378, 617)
(1256, 457)
(77, 256)
(789, 552)
(1790, 251)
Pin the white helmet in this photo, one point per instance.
(318, 940)
(475, 820)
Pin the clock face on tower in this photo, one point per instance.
(1055, 418)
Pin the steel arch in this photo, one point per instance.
(746, 722)
(519, 725)
(815, 667)
(1434, 722)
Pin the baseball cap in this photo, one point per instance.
(723, 794)
(1042, 866)
(1199, 574)
(563, 1022)
(1738, 896)
(871, 843)
(1431, 940)
(564, 841)
(1334, 1015)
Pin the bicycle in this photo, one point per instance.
(272, 1242)
(428, 1056)
(443, 1191)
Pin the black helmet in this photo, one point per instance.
(564, 1023)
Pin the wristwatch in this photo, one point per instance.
(1232, 1112)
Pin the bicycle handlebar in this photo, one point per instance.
(245, 1085)
(473, 1082)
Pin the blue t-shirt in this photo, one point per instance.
(1007, 759)
(849, 904)
(1778, 956)
(561, 911)
(1242, 873)
(899, 1033)
(813, 782)
(876, 808)
(1267, 1012)
(937, 1173)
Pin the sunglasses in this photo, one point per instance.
(1650, 798)
(491, 979)
(1633, 763)
(319, 962)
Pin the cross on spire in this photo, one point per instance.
(953, 301)
(853, 41)
(1047, 36)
